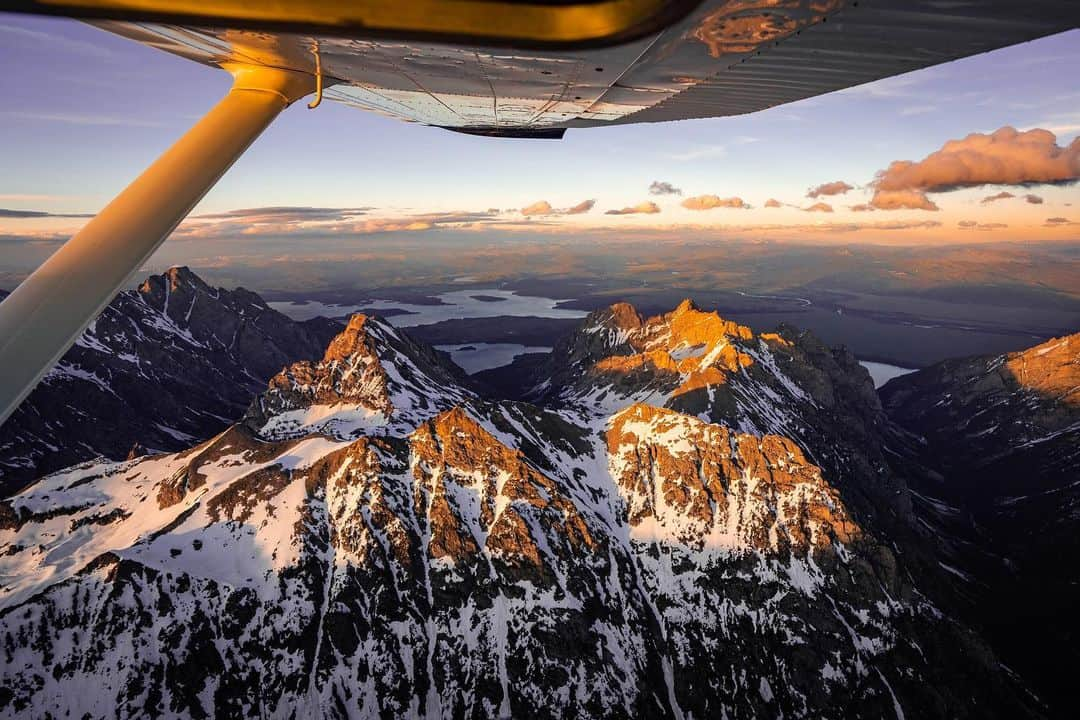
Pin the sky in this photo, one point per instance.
(86, 111)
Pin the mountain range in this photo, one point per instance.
(684, 519)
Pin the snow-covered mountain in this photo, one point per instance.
(683, 525)
(165, 365)
(992, 447)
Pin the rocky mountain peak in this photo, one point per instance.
(682, 353)
(371, 376)
(687, 305)
(177, 279)
(181, 276)
(354, 340)
(622, 315)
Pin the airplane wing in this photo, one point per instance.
(718, 57)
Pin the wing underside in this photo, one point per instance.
(726, 57)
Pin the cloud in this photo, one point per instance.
(582, 207)
(287, 213)
(1005, 157)
(543, 208)
(1003, 195)
(819, 207)
(663, 188)
(711, 202)
(972, 225)
(1058, 222)
(861, 207)
(1033, 199)
(23, 214)
(839, 187)
(773, 203)
(645, 208)
(902, 199)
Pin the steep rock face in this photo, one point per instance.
(170, 363)
(703, 485)
(463, 558)
(992, 444)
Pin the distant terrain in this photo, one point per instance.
(908, 307)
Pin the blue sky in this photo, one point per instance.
(86, 111)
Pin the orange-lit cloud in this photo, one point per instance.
(1033, 199)
(773, 203)
(862, 207)
(839, 187)
(582, 207)
(902, 200)
(645, 208)
(543, 208)
(711, 202)
(1059, 222)
(1003, 195)
(819, 207)
(1005, 157)
(663, 188)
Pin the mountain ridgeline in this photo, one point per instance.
(165, 365)
(686, 519)
(991, 447)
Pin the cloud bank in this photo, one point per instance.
(1005, 157)
(25, 214)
